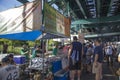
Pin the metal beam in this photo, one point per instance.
(100, 25)
(98, 8)
(81, 8)
(102, 35)
(68, 10)
(73, 29)
(110, 7)
(98, 20)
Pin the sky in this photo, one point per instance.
(7, 4)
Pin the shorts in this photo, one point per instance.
(75, 66)
(97, 69)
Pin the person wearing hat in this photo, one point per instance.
(8, 71)
(5, 61)
(11, 61)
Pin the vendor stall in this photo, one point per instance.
(27, 25)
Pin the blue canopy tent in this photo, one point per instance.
(31, 36)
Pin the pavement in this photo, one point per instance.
(109, 73)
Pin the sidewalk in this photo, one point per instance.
(108, 74)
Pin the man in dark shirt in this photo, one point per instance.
(11, 61)
(5, 48)
(74, 57)
(98, 59)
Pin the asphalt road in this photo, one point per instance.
(108, 74)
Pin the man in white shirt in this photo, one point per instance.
(109, 53)
(8, 71)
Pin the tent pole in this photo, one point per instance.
(47, 44)
(42, 46)
(42, 40)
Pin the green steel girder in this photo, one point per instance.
(81, 8)
(100, 25)
(98, 8)
(104, 28)
(98, 20)
(110, 7)
(68, 9)
(102, 35)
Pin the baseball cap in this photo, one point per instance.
(10, 55)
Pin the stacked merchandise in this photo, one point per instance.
(37, 63)
(39, 67)
(52, 67)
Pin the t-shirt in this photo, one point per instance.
(76, 51)
(89, 53)
(98, 50)
(36, 53)
(5, 47)
(24, 51)
(55, 51)
(109, 50)
(9, 72)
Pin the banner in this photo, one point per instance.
(50, 19)
(55, 22)
(60, 23)
(21, 19)
(67, 22)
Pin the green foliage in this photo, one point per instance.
(15, 50)
(30, 43)
(14, 46)
(50, 45)
(17, 43)
(5, 41)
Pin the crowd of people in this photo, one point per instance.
(87, 57)
(90, 56)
